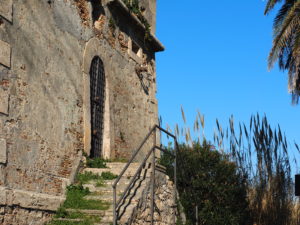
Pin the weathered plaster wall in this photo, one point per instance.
(44, 92)
(40, 113)
(43, 126)
(132, 111)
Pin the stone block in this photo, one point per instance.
(2, 175)
(4, 99)
(3, 154)
(6, 9)
(3, 193)
(5, 53)
(34, 200)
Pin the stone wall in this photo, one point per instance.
(165, 208)
(20, 216)
(40, 118)
(46, 48)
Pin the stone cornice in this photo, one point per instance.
(155, 44)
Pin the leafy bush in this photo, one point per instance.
(262, 157)
(95, 163)
(207, 179)
(108, 176)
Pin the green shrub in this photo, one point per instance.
(61, 213)
(207, 179)
(96, 163)
(108, 176)
(261, 156)
(85, 177)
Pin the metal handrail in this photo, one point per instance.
(116, 203)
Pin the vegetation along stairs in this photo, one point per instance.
(90, 200)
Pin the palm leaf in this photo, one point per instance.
(270, 5)
(283, 38)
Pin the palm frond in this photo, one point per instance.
(270, 5)
(281, 15)
(283, 38)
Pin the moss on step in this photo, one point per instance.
(108, 176)
(70, 218)
(95, 163)
(100, 183)
(85, 177)
(121, 160)
(100, 162)
(58, 222)
(72, 210)
(75, 199)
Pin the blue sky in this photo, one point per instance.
(216, 61)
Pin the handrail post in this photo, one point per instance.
(114, 205)
(175, 180)
(153, 179)
(197, 217)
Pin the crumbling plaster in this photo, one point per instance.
(44, 104)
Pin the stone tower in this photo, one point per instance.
(75, 76)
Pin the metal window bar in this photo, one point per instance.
(97, 99)
(116, 203)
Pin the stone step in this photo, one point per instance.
(102, 190)
(109, 198)
(121, 187)
(121, 165)
(66, 219)
(116, 168)
(127, 175)
(107, 219)
(103, 223)
(105, 193)
(105, 198)
(92, 212)
(123, 181)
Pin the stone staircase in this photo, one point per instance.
(104, 193)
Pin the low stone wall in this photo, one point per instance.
(164, 209)
(21, 216)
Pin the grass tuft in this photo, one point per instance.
(85, 177)
(108, 176)
(96, 163)
(75, 199)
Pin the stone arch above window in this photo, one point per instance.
(94, 48)
(97, 101)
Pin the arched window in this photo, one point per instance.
(97, 93)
